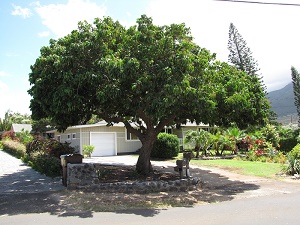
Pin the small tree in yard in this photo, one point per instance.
(146, 76)
(88, 150)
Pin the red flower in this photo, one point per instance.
(259, 152)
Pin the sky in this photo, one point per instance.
(271, 32)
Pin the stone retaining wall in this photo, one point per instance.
(84, 176)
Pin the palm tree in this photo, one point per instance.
(235, 134)
(201, 139)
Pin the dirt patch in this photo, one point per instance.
(112, 174)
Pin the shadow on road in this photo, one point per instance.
(27, 180)
(14, 199)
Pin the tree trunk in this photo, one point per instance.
(197, 149)
(143, 165)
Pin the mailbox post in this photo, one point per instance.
(187, 156)
(64, 160)
(179, 167)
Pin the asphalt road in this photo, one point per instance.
(267, 210)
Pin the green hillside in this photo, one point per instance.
(282, 101)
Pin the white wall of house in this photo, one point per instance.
(83, 137)
(79, 136)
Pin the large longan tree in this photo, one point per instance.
(146, 76)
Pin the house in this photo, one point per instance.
(19, 127)
(112, 140)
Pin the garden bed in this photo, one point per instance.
(98, 177)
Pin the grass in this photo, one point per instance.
(260, 169)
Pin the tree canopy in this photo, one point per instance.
(148, 76)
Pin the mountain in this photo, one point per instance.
(282, 101)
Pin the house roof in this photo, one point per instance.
(103, 123)
(19, 127)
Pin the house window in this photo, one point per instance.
(167, 130)
(58, 138)
(69, 136)
(130, 136)
(73, 136)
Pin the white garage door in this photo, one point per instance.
(104, 144)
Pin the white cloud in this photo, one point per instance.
(19, 11)
(44, 34)
(61, 19)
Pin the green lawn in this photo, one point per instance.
(260, 169)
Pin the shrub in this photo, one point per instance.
(264, 152)
(45, 164)
(288, 139)
(293, 158)
(14, 148)
(24, 136)
(271, 135)
(287, 144)
(1, 145)
(88, 150)
(9, 135)
(50, 147)
(43, 155)
(166, 146)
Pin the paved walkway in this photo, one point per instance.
(16, 177)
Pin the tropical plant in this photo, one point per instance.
(271, 135)
(88, 150)
(146, 76)
(224, 142)
(200, 139)
(236, 135)
(6, 122)
(293, 157)
(24, 136)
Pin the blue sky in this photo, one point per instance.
(271, 32)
